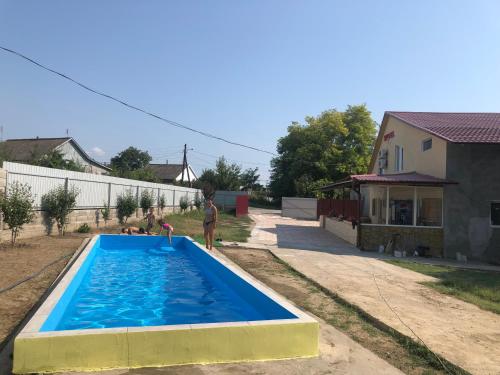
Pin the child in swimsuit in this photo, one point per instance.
(168, 228)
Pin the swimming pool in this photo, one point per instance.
(135, 301)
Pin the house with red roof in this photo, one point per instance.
(433, 187)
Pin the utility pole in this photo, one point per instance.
(185, 165)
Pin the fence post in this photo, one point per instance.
(173, 203)
(66, 182)
(158, 201)
(137, 201)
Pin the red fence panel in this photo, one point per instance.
(348, 209)
(241, 205)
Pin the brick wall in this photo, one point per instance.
(372, 236)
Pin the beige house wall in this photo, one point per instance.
(431, 162)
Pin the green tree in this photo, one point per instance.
(55, 159)
(249, 178)
(126, 204)
(17, 208)
(146, 201)
(106, 213)
(58, 203)
(128, 160)
(224, 176)
(327, 148)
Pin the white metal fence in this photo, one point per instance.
(299, 208)
(94, 190)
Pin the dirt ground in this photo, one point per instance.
(26, 258)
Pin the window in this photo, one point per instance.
(429, 207)
(495, 213)
(401, 205)
(398, 154)
(427, 144)
(379, 206)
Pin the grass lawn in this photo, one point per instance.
(482, 288)
(229, 227)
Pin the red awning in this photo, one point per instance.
(413, 179)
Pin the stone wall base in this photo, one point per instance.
(372, 236)
(92, 217)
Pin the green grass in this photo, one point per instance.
(481, 288)
(229, 227)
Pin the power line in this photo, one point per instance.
(170, 122)
(234, 160)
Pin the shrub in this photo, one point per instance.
(106, 213)
(58, 203)
(126, 204)
(84, 228)
(197, 201)
(146, 201)
(162, 202)
(17, 208)
(183, 203)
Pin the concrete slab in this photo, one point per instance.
(459, 331)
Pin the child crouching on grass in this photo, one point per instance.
(168, 228)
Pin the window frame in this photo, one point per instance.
(399, 158)
(491, 219)
(424, 142)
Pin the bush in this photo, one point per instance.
(197, 201)
(58, 203)
(183, 203)
(84, 228)
(126, 205)
(146, 201)
(106, 213)
(17, 208)
(162, 203)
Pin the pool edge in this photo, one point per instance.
(113, 348)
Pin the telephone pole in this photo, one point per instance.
(185, 165)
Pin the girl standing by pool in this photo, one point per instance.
(209, 223)
(168, 228)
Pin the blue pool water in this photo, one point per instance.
(130, 281)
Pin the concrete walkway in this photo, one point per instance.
(459, 331)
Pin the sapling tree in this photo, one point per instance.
(106, 213)
(162, 202)
(17, 208)
(183, 203)
(126, 204)
(146, 201)
(58, 203)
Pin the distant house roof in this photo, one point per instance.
(455, 127)
(167, 172)
(24, 150)
(411, 178)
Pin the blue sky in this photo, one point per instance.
(239, 69)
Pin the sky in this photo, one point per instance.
(242, 70)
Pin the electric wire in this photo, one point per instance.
(130, 106)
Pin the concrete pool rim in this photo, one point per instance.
(150, 346)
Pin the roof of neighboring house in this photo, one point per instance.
(455, 126)
(167, 171)
(25, 149)
(411, 178)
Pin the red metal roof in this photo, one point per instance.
(411, 178)
(455, 127)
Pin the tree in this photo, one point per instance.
(249, 179)
(126, 204)
(17, 208)
(146, 201)
(162, 202)
(58, 203)
(106, 213)
(55, 159)
(327, 148)
(130, 159)
(224, 176)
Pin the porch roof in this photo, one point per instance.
(412, 178)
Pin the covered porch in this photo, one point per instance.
(397, 212)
